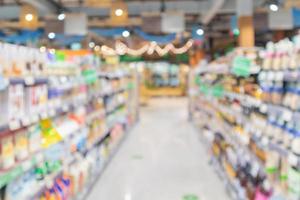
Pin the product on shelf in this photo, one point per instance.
(62, 117)
(252, 114)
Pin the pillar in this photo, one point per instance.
(245, 23)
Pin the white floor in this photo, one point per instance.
(161, 159)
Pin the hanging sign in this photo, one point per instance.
(76, 24)
(281, 20)
(296, 17)
(173, 22)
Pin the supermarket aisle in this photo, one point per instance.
(162, 159)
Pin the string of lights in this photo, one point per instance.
(149, 48)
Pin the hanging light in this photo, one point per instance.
(119, 12)
(61, 16)
(200, 31)
(51, 35)
(126, 34)
(29, 17)
(92, 45)
(273, 7)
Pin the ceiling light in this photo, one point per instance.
(91, 45)
(119, 12)
(200, 31)
(126, 34)
(273, 7)
(61, 17)
(51, 35)
(29, 17)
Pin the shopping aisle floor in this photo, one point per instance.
(161, 159)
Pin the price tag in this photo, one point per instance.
(52, 112)
(35, 118)
(263, 108)
(279, 76)
(39, 158)
(65, 108)
(271, 76)
(25, 121)
(27, 165)
(14, 125)
(265, 141)
(287, 115)
(44, 115)
(29, 80)
(293, 159)
(3, 83)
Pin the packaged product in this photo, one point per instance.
(21, 144)
(7, 150)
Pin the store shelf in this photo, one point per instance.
(83, 195)
(115, 108)
(19, 169)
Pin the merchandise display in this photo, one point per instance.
(246, 106)
(163, 79)
(63, 115)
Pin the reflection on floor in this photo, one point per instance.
(161, 159)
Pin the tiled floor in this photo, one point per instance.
(162, 159)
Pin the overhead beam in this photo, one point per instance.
(216, 6)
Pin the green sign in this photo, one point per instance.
(90, 76)
(190, 197)
(218, 91)
(198, 80)
(60, 56)
(241, 66)
(204, 88)
(130, 85)
(128, 58)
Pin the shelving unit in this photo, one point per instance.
(253, 140)
(79, 112)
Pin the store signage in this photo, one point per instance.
(54, 25)
(241, 66)
(296, 17)
(152, 23)
(173, 22)
(76, 24)
(281, 20)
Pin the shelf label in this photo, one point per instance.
(15, 124)
(29, 80)
(3, 83)
(287, 115)
(190, 197)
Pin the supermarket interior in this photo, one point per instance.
(149, 99)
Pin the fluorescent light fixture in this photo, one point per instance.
(51, 35)
(126, 34)
(119, 12)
